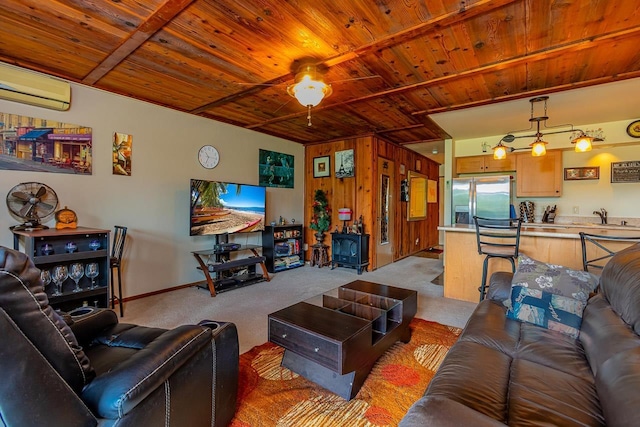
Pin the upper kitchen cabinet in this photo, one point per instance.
(484, 163)
(539, 176)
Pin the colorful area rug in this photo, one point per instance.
(270, 395)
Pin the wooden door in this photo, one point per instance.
(386, 213)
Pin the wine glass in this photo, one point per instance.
(91, 271)
(45, 277)
(60, 274)
(76, 272)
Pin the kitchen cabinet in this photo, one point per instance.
(539, 176)
(484, 163)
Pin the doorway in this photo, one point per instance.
(385, 222)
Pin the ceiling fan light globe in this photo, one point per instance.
(309, 92)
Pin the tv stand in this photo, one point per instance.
(223, 274)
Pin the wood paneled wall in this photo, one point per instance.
(360, 193)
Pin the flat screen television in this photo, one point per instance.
(225, 207)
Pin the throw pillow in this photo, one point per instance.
(549, 295)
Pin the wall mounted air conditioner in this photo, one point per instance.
(27, 87)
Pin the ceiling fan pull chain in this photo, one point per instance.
(309, 114)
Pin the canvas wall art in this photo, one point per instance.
(344, 164)
(275, 169)
(41, 145)
(122, 146)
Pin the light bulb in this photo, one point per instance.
(500, 152)
(309, 92)
(538, 148)
(583, 144)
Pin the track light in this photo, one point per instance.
(583, 141)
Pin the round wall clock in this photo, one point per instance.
(634, 129)
(208, 156)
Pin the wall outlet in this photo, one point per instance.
(417, 241)
(576, 210)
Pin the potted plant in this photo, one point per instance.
(321, 219)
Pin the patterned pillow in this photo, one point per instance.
(549, 295)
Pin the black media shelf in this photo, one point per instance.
(282, 247)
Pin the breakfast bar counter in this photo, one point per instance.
(553, 243)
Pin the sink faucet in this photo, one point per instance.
(602, 213)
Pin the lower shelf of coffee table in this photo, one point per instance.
(336, 342)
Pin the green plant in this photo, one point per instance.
(321, 219)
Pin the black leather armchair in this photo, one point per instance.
(88, 369)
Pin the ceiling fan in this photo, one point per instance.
(309, 87)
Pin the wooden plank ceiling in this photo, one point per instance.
(391, 63)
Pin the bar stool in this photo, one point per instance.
(497, 238)
(597, 249)
(115, 261)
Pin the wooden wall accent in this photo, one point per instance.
(360, 193)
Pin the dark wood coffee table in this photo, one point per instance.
(335, 338)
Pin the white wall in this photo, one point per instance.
(154, 202)
(619, 199)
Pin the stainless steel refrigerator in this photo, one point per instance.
(488, 197)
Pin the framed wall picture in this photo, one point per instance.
(321, 167)
(589, 172)
(345, 164)
(432, 191)
(417, 205)
(122, 146)
(625, 171)
(36, 144)
(275, 169)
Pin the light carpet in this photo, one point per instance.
(249, 307)
(270, 395)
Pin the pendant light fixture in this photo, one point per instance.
(583, 141)
(309, 89)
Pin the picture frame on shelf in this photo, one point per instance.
(582, 173)
(322, 167)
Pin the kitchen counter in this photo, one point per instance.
(561, 231)
(553, 243)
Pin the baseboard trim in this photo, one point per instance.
(162, 291)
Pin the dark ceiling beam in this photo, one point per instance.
(478, 8)
(531, 57)
(400, 129)
(231, 98)
(441, 21)
(419, 141)
(533, 93)
(161, 17)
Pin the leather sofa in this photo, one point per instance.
(502, 371)
(88, 369)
